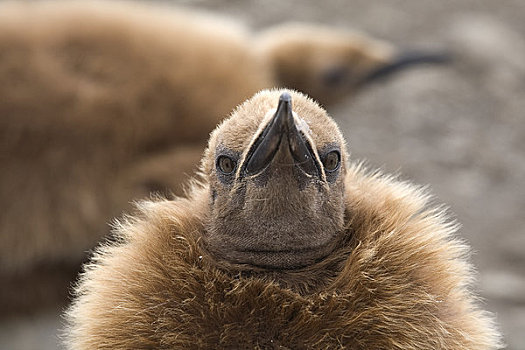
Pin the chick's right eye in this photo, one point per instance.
(331, 161)
(225, 164)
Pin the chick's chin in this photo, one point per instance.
(287, 229)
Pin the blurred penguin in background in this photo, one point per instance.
(102, 103)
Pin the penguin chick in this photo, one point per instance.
(331, 64)
(279, 204)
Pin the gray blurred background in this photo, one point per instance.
(458, 128)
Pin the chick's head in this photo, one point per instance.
(275, 170)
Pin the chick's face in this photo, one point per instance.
(275, 170)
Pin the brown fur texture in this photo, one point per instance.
(398, 279)
(105, 102)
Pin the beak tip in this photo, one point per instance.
(284, 111)
(285, 97)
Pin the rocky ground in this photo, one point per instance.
(459, 129)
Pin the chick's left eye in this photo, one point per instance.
(331, 161)
(225, 164)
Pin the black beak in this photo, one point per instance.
(281, 127)
(403, 61)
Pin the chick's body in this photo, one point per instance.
(391, 275)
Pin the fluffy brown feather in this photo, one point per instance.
(399, 278)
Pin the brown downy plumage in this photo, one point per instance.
(103, 102)
(284, 243)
